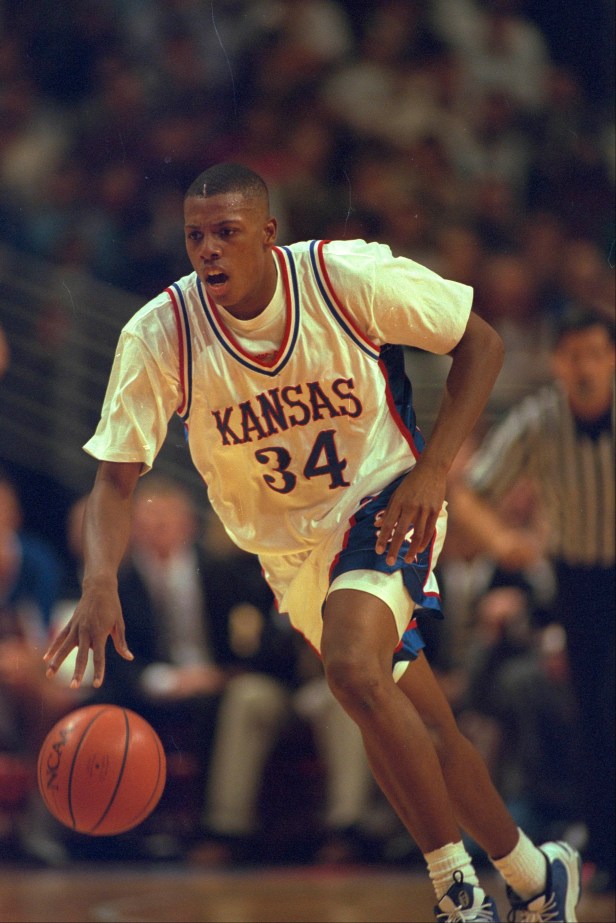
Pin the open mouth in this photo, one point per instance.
(215, 279)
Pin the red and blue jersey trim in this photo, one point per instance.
(390, 359)
(273, 366)
(334, 303)
(180, 310)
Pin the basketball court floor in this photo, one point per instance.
(177, 894)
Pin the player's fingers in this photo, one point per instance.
(387, 522)
(403, 528)
(119, 642)
(98, 662)
(57, 642)
(59, 651)
(421, 536)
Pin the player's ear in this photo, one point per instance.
(270, 231)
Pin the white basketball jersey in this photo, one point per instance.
(293, 417)
(289, 445)
(290, 427)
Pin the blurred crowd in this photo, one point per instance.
(456, 130)
(475, 136)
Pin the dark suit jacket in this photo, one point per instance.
(225, 583)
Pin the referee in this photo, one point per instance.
(563, 437)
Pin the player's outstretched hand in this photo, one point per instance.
(97, 615)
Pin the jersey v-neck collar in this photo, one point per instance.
(225, 336)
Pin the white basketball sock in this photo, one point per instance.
(443, 862)
(524, 869)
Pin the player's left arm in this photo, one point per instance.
(476, 362)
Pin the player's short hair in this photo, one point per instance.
(229, 177)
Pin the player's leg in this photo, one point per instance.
(479, 808)
(359, 635)
(543, 880)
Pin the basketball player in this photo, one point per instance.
(299, 418)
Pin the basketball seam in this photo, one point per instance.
(154, 797)
(74, 761)
(120, 773)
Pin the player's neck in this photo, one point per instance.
(257, 301)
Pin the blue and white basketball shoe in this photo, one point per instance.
(562, 891)
(465, 904)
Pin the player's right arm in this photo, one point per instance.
(105, 537)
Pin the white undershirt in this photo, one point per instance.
(261, 335)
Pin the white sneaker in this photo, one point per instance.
(465, 904)
(562, 890)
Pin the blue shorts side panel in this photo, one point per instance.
(410, 645)
(358, 553)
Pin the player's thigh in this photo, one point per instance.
(358, 626)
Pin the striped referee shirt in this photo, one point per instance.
(572, 464)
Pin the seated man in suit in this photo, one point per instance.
(185, 608)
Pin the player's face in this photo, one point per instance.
(229, 238)
(584, 363)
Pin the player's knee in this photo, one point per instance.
(357, 682)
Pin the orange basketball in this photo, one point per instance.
(101, 770)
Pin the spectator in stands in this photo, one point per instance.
(563, 437)
(182, 607)
(256, 706)
(30, 571)
(519, 700)
(507, 298)
(30, 574)
(501, 49)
